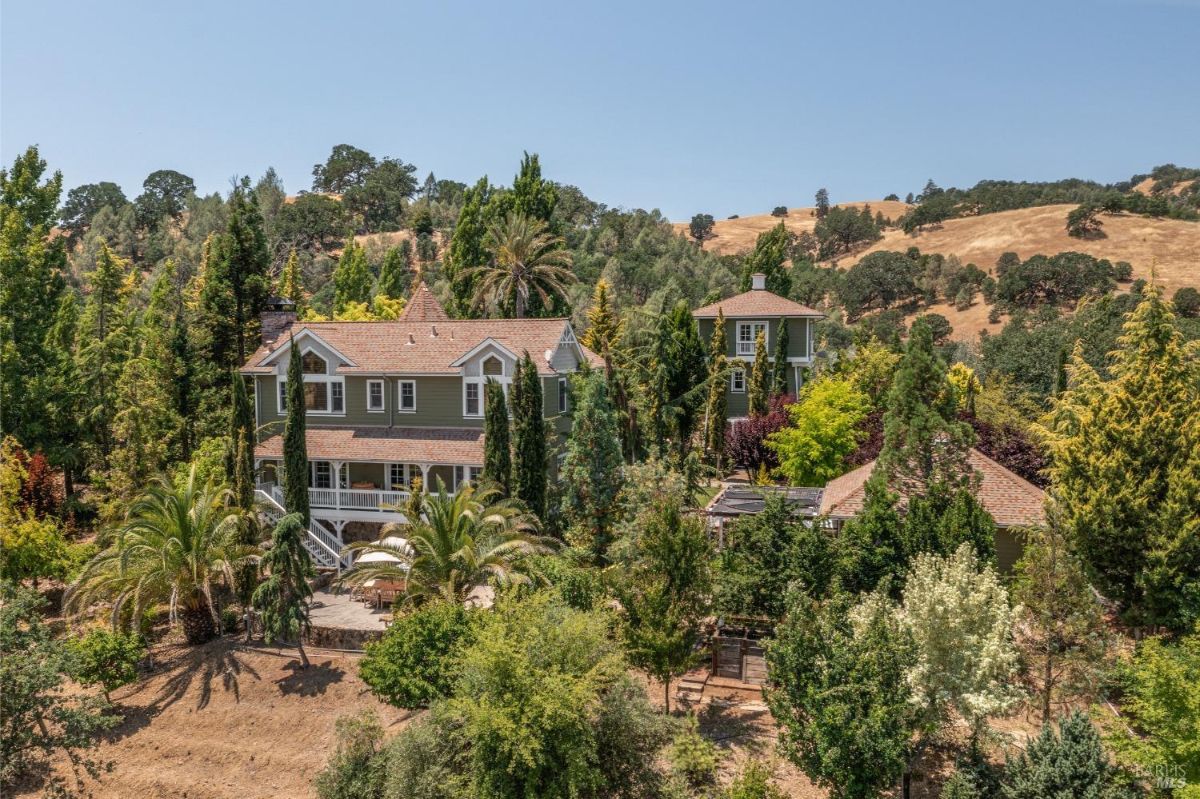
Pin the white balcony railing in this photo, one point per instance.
(355, 498)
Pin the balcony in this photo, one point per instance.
(351, 499)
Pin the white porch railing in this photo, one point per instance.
(355, 498)
(325, 548)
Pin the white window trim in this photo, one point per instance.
(327, 379)
(562, 395)
(481, 380)
(400, 396)
(733, 381)
(281, 395)
(382, 396)
(752, 324)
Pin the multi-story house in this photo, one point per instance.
(390, 402)
(747, 314)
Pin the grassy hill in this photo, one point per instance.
(1169, 247)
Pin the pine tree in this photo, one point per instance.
(497, 455)
(351, 277)
(283, 597)
(717, 407)
(1071, 763)
(822, 201)
(105, 344)
(923, 440)
(779, 379)
(1125, 468)
(396, 272)
(291, 283)
(685, 367)
(1064, 631)
(467, 250)
(65, 437)
(770, 251)
(604, 326)
(239, 465)
(295, 445)
(529, 437)
(592, 472)
(760, 378)
(236, 284)
(32, 267)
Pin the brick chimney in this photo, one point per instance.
(276, 317)
(758, 281)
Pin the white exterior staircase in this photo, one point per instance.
(325, 548)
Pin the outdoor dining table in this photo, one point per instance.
(375, 589)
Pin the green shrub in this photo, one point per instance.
(753, 783)
(107, 658)
(414, 661)
(693, 757)
(354, 771)
(230, 618)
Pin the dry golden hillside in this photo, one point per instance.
(736, 235)
(1170, 246)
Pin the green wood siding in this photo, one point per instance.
(439, 404)
(797, 334)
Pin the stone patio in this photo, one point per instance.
(339, 623)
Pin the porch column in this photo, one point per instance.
(424, 477)
(337, 483)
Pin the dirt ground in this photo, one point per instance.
(219, 721)
(227, 722)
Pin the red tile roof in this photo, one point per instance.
(1013, 501)
(411, 347)
(756, 302)
(423, 306)
(396, 444)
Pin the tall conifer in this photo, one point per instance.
(592, 471)
(351, 277)
(295, 445)
(529, 437)
(240, 460)
(396, 271)
(497, 455)
(779, 381)
(717, 407)
(760, 378)
(291, 283)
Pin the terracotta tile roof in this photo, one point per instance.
(756, 302)
(1013, 501)
(409, 347)
(396, 444)
(423, 306)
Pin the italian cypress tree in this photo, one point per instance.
(923, 440)
(760, 378)
(239, 462)
(291, 282)
(717, 407)
(497, 457)
(295, 447)
(1125, 468)
(283, 596)
(396, 272)
(352, 277)
(592, 472)
(529, 437)
(770, 251)
(779, 381)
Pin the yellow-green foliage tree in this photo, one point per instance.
(823, 431)
(1125, 468)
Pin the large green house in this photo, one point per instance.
(390, 402)
(745, 315)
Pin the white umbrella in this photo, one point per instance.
(394, 542)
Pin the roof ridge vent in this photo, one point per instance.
(433, 331)
(411, 340)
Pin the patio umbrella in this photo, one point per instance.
(394, 542)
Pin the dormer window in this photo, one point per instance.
(312, 364)
(475, 378)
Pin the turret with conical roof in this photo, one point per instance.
(423, 306)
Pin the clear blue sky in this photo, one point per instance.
(729, 107)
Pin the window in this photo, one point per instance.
(374, 395)
(562, 395)
(476, 376)
(282, 384)
(312, 364)
(466, 474)
(316, 397)
(337, 395)
(471, 400)
(322, 474)
(398, 477)
(747, 335)
(408, 396)
(737, 381)
(493, 367)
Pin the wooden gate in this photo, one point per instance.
(739, 658)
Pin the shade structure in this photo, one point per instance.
(393, 542)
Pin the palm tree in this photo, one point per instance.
(176, 544)
(527, 259)
(464, 541)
